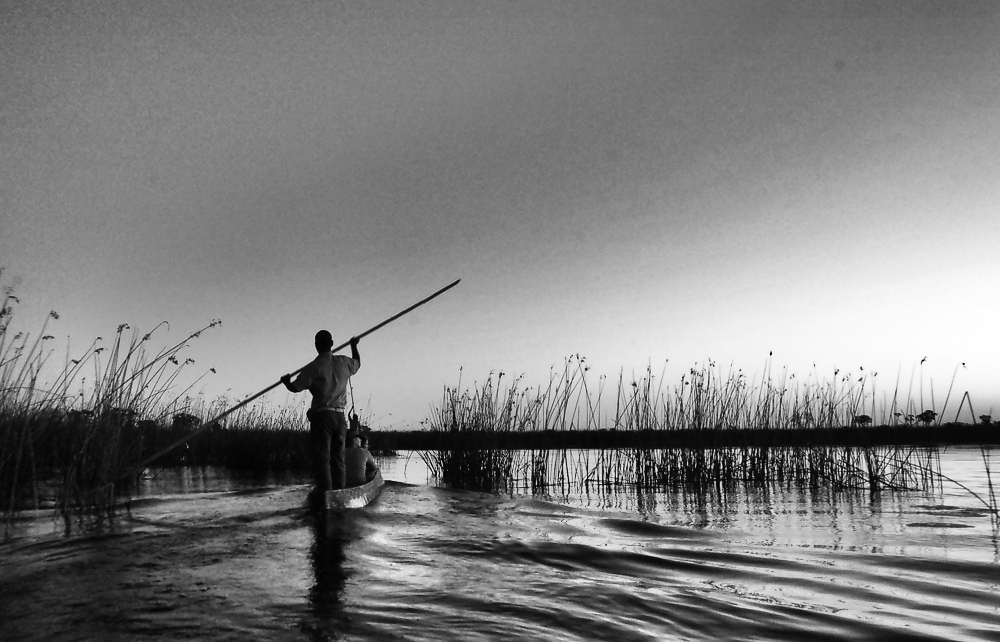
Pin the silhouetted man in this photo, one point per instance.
(326, 378)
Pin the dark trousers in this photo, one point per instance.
(328, 429)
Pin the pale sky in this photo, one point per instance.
(640, 183)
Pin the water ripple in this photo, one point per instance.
(424, 563)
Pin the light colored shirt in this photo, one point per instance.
(326, 378)
(361, 466)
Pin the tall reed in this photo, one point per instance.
(80, 435)
(706, 402)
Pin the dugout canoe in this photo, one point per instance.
(356, 496)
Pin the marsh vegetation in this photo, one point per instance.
(734, 432)
(72, 431)
(75, 432)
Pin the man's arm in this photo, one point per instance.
(302, 382)
(354, 350)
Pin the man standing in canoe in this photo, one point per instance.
(326, 378)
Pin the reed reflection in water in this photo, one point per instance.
(838, 468)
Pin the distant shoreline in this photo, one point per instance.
(950, 434)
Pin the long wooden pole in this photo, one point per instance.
(211, 422)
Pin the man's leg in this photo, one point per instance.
(338, 433)
(321, 430)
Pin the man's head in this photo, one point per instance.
(324, 341)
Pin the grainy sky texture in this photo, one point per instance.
(642, 183)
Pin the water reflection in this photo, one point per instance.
(773, 562)
(332, 533)
(209, 479)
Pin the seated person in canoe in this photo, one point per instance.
(361, 466)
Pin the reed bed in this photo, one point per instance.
(749, 414)
(257, 438)
(77, 439)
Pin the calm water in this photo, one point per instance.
(206, 556)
